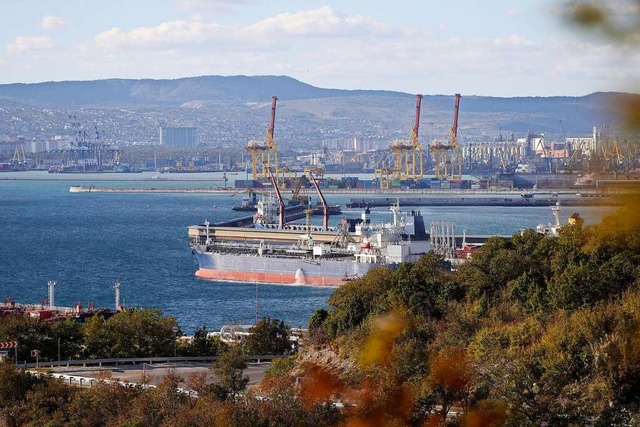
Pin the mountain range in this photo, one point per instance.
(375, 112)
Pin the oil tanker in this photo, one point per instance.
(305, 254)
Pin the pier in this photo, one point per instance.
(480, 201)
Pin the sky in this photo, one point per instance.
(489, 47)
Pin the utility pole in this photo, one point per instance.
(175, 341)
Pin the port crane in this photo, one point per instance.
(264, 155)
(447, 157)
(409, 153)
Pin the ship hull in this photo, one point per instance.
(277, 270)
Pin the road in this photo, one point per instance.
(155, 373)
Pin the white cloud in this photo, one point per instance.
(27, 44)
(330, 49)
(225, 6)
(279, 30)
(167, 34)
(318, 22)
(53, 23)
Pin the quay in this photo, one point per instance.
(359, 191)
(481, 201)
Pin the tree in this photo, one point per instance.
(202, 344)
(317, 328)
(68, 335)
(31, 334)
(450, 379)
(134, 333)
(354, 302)
(14, 385)
(420, 285)
(229, 372)
(268, 336)
(96, 340)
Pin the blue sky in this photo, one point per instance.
(490, 47)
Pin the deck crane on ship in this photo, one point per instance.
(325, 206)
(281, 207)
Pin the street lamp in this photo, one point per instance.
(175, 341)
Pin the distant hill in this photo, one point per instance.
(377, 112)
(165, 92)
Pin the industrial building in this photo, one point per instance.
(179, 137)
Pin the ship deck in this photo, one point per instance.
(199, 233)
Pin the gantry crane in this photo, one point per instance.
(408, 153)
(264, 155)
(447, 157)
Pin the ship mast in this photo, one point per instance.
(116, 288)
(52, 291)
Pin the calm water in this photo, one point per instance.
(85, 241)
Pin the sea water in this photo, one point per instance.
(87, 241)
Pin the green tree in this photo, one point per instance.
(268, 337)
(131, 333)
(229, 373)
(68, 335)
(96, 338)
(420, 285)
(31, 334)
(14, 385)
(357, 300)
(317, 327)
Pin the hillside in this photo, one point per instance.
(230, 110)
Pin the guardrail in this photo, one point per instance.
(138, 360)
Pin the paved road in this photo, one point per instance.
(155, 373)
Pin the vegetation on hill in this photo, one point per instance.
(532, 330)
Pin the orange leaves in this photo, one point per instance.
(619, 231)
(451, 370)
(586, 14)
(379, 344)
(319, 385)
(487, 414)
(630, 111)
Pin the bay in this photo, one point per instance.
(85, 241)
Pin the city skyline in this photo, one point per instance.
(494, 48)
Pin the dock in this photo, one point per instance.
(480, 201)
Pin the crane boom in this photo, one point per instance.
(325, 207)
(454, 125)
(280, 201)
(414, 134)
(272, 125)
